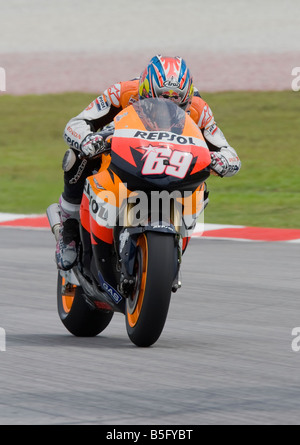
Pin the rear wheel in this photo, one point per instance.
(147, 307)
(77, 316)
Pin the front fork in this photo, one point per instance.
(127, 245)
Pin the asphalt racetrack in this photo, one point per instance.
(225, 355)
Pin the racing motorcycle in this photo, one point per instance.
(136, 218)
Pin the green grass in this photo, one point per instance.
(262, 126)
(264, 129)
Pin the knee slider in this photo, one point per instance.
(68, 160)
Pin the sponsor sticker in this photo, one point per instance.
(115, 296)
(101, 103)
(159, 136)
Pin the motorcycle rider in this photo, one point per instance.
(166, 77)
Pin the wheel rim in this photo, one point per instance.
(67, 299)
(134, 303)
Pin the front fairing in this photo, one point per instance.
(157, 146)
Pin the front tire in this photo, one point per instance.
(147, 307)
(77, 316)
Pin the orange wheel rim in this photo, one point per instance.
(138, 298)
(67, 299)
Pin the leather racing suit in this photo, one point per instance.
(102, 111)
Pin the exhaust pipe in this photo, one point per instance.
(53, 215)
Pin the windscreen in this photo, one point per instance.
(160, 114)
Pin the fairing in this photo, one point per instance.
(156, 145)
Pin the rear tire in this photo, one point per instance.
(77, 316)
(147, 308)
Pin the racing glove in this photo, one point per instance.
(93, 143)
(219, 164)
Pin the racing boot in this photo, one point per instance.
(67, 243)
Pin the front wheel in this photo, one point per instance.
(77, 316)
(147, 307)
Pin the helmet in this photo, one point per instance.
(167, 77)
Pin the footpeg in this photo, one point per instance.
(176, 286)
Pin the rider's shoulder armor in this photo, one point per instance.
(123, 94)
(200, 112)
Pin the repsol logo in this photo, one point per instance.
(164, 136)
